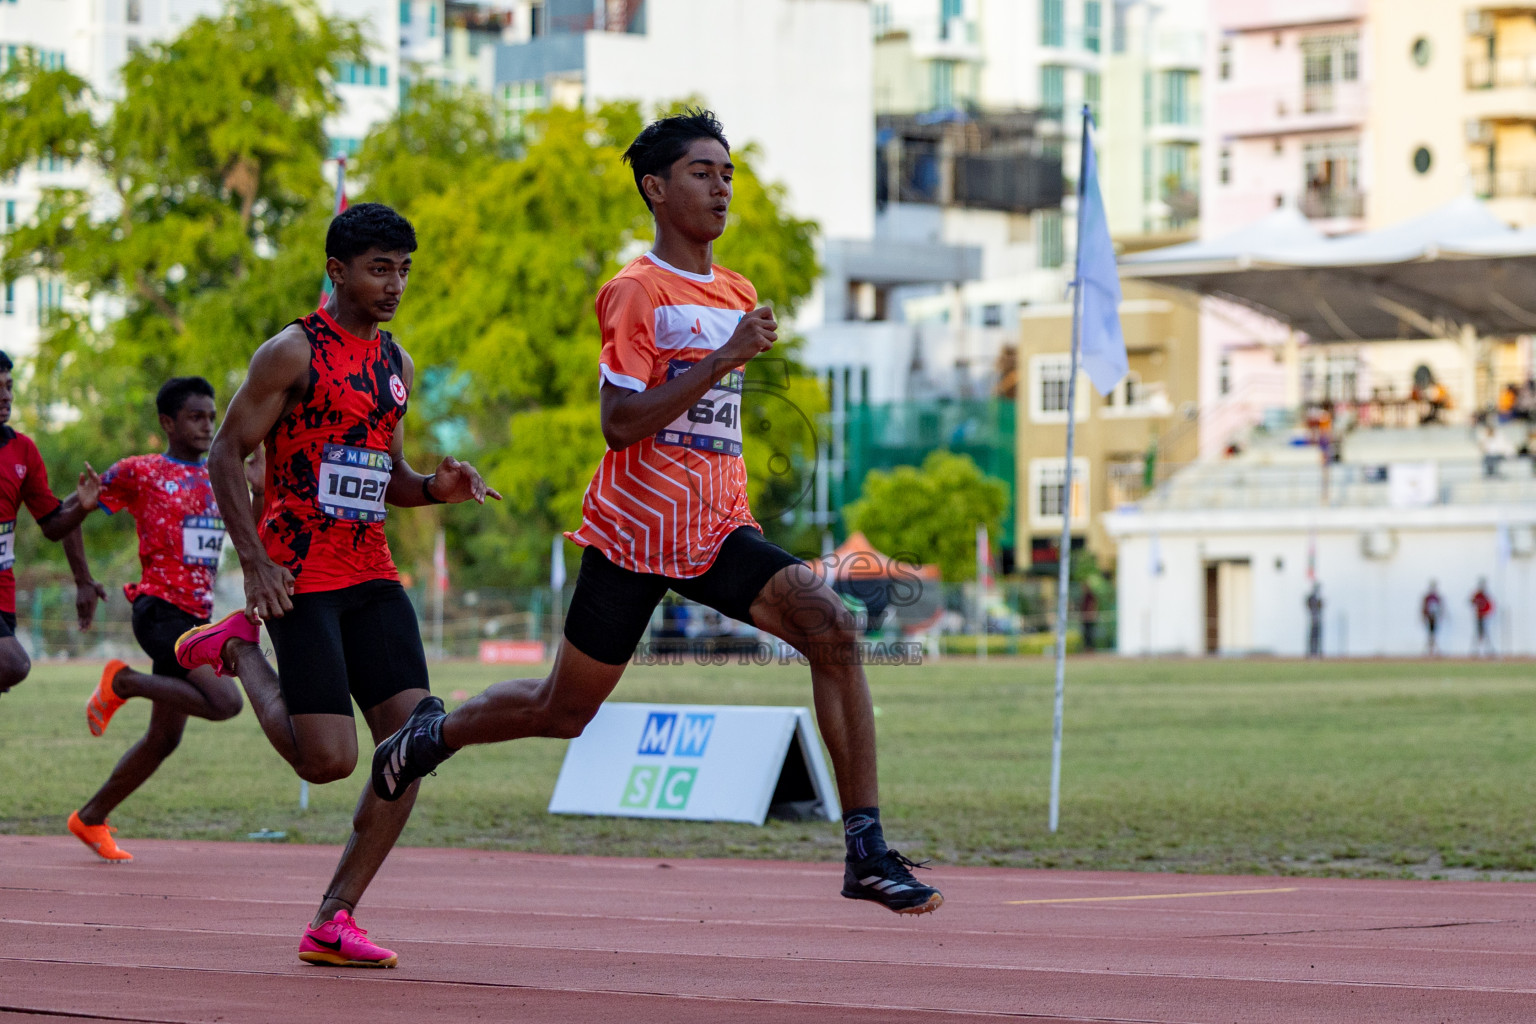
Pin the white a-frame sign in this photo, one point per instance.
(696, 762)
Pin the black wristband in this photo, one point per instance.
(426, 490)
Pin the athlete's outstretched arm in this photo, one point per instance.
(453, 481)
(62, 521)
(627, 415)
(279, 372)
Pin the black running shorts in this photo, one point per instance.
(612, 606)
(7, 624)
(358, 643)
(156, 626)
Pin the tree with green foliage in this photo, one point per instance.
(198, 237)
(931, 513)
(204, 168)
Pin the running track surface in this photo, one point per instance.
(209, 932)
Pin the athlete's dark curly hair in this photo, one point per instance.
(359, 228)
(664, 142)
(175, 392)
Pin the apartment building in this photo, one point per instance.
(1359, 114)
(93, 38)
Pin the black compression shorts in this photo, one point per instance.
(612, 606)
(7, 624)
(156, 626)
(360, 642)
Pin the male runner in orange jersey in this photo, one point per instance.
(327, 397)
(24, 481)
(668, 510)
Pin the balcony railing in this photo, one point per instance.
(1318, 98)
(1505, 183)
(1327, 203)
(1501, 72)
(1179, 115)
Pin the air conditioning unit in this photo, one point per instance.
(1479, 132)
(1480, 23)
(1378, 543)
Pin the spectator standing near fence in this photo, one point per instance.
(1315, 621)
(1430, 610)
(1089, 616)
(1482, 611)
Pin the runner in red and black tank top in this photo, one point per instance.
(325, 399)
(355, 400)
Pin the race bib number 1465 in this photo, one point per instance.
(202, 539)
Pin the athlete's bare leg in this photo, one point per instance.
(320, 748)
(795, 606)
(140, 762)
(203, 694)
(800, 609)
(376, 824)
(559, 705)
(260, 681)
(14, 663)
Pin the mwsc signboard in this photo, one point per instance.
(697, 762)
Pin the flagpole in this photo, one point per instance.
(1064, 556)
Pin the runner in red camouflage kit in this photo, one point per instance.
(327, 398)
(180, 539)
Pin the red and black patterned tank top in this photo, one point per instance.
(328, 461)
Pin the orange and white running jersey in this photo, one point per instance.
(666, 503)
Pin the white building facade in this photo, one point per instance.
(93, 38)
(1221, 560)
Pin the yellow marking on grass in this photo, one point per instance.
(1153, 896)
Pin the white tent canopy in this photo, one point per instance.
(1453, 267)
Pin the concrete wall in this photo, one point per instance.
(1371, 605)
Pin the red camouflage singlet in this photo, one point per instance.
(180, 532)
(328, 462)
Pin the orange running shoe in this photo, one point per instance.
(104, 702)
(98, 838)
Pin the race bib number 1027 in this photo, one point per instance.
(714, 422)
(352, 482)
(7, 545)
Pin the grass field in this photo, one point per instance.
(1401, 768)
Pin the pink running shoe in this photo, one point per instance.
(204, 645)
(341, 943)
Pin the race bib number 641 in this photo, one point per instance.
(353, 481)
(713, 424)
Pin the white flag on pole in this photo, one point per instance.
(1103, 345)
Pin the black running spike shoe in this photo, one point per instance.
(411, 752)
(886, 879)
